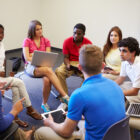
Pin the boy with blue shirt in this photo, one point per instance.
(99, 100)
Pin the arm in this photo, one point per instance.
(64, 129)
(27, 55)
(6, 120)
(131, 92)
(120, 80)
(48, 49)
(66, 61)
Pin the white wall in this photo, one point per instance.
(99, 16)
(59, 17)
(15, 15)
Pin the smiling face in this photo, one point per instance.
(1, 34)
(38, 31)
(126, 55)
(78, 35)
(114, 37)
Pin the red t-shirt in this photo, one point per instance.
(70, 48)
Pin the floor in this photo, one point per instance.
(35, 93)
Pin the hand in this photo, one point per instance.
(8, 87)
(48, 120)
(17, 107)
(68, 66)
(113, 72)
(2, 74)
(2, 84)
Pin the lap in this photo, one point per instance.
(46, 133)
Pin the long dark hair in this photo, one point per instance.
(108, 44)
(31, 30)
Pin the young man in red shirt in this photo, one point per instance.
(71, 47)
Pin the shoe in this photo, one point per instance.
(45, 107)
(33, 113)
(65, 99)
(63, 106)
(20, 122)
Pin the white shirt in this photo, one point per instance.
(132, 71)
(2, 56)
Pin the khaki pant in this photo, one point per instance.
(62, 73)
(18, 90)
(132, 99)
(46, 133)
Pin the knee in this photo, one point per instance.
(17, 82)
(48, 71)
(46, 81)
(59, 72)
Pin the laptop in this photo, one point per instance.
(44, 59)
(133, 109)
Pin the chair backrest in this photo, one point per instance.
(118, 131)
(8, 134)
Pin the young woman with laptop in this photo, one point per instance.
(36, 41)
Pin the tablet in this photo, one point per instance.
(58, 115)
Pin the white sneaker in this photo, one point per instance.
(62, 106)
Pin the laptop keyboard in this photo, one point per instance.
(135, 109)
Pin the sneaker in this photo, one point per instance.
(45, 107)
(63, 106)
(65, 99)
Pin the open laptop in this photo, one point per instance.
(44, 59)
(133, 109)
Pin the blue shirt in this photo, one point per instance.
(101, 102)
(5, 120)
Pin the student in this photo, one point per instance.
(17, 86)
(99, 100)
(111, 54)
(6, 120)
(36, 41)
(129, 53)
(71, 48)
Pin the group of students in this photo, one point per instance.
(99, 99)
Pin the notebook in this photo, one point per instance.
(58, 115)
(133, 109)
(44, 59)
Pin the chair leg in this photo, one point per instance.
(132, 134)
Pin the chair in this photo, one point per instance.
(118, 131)
(8, 134)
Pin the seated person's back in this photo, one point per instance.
(101, 102)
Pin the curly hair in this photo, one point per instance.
(81, 27)
(131, 43)
(108, 44)
(1, 26)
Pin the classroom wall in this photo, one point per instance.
(59, 17)
(15, 15)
